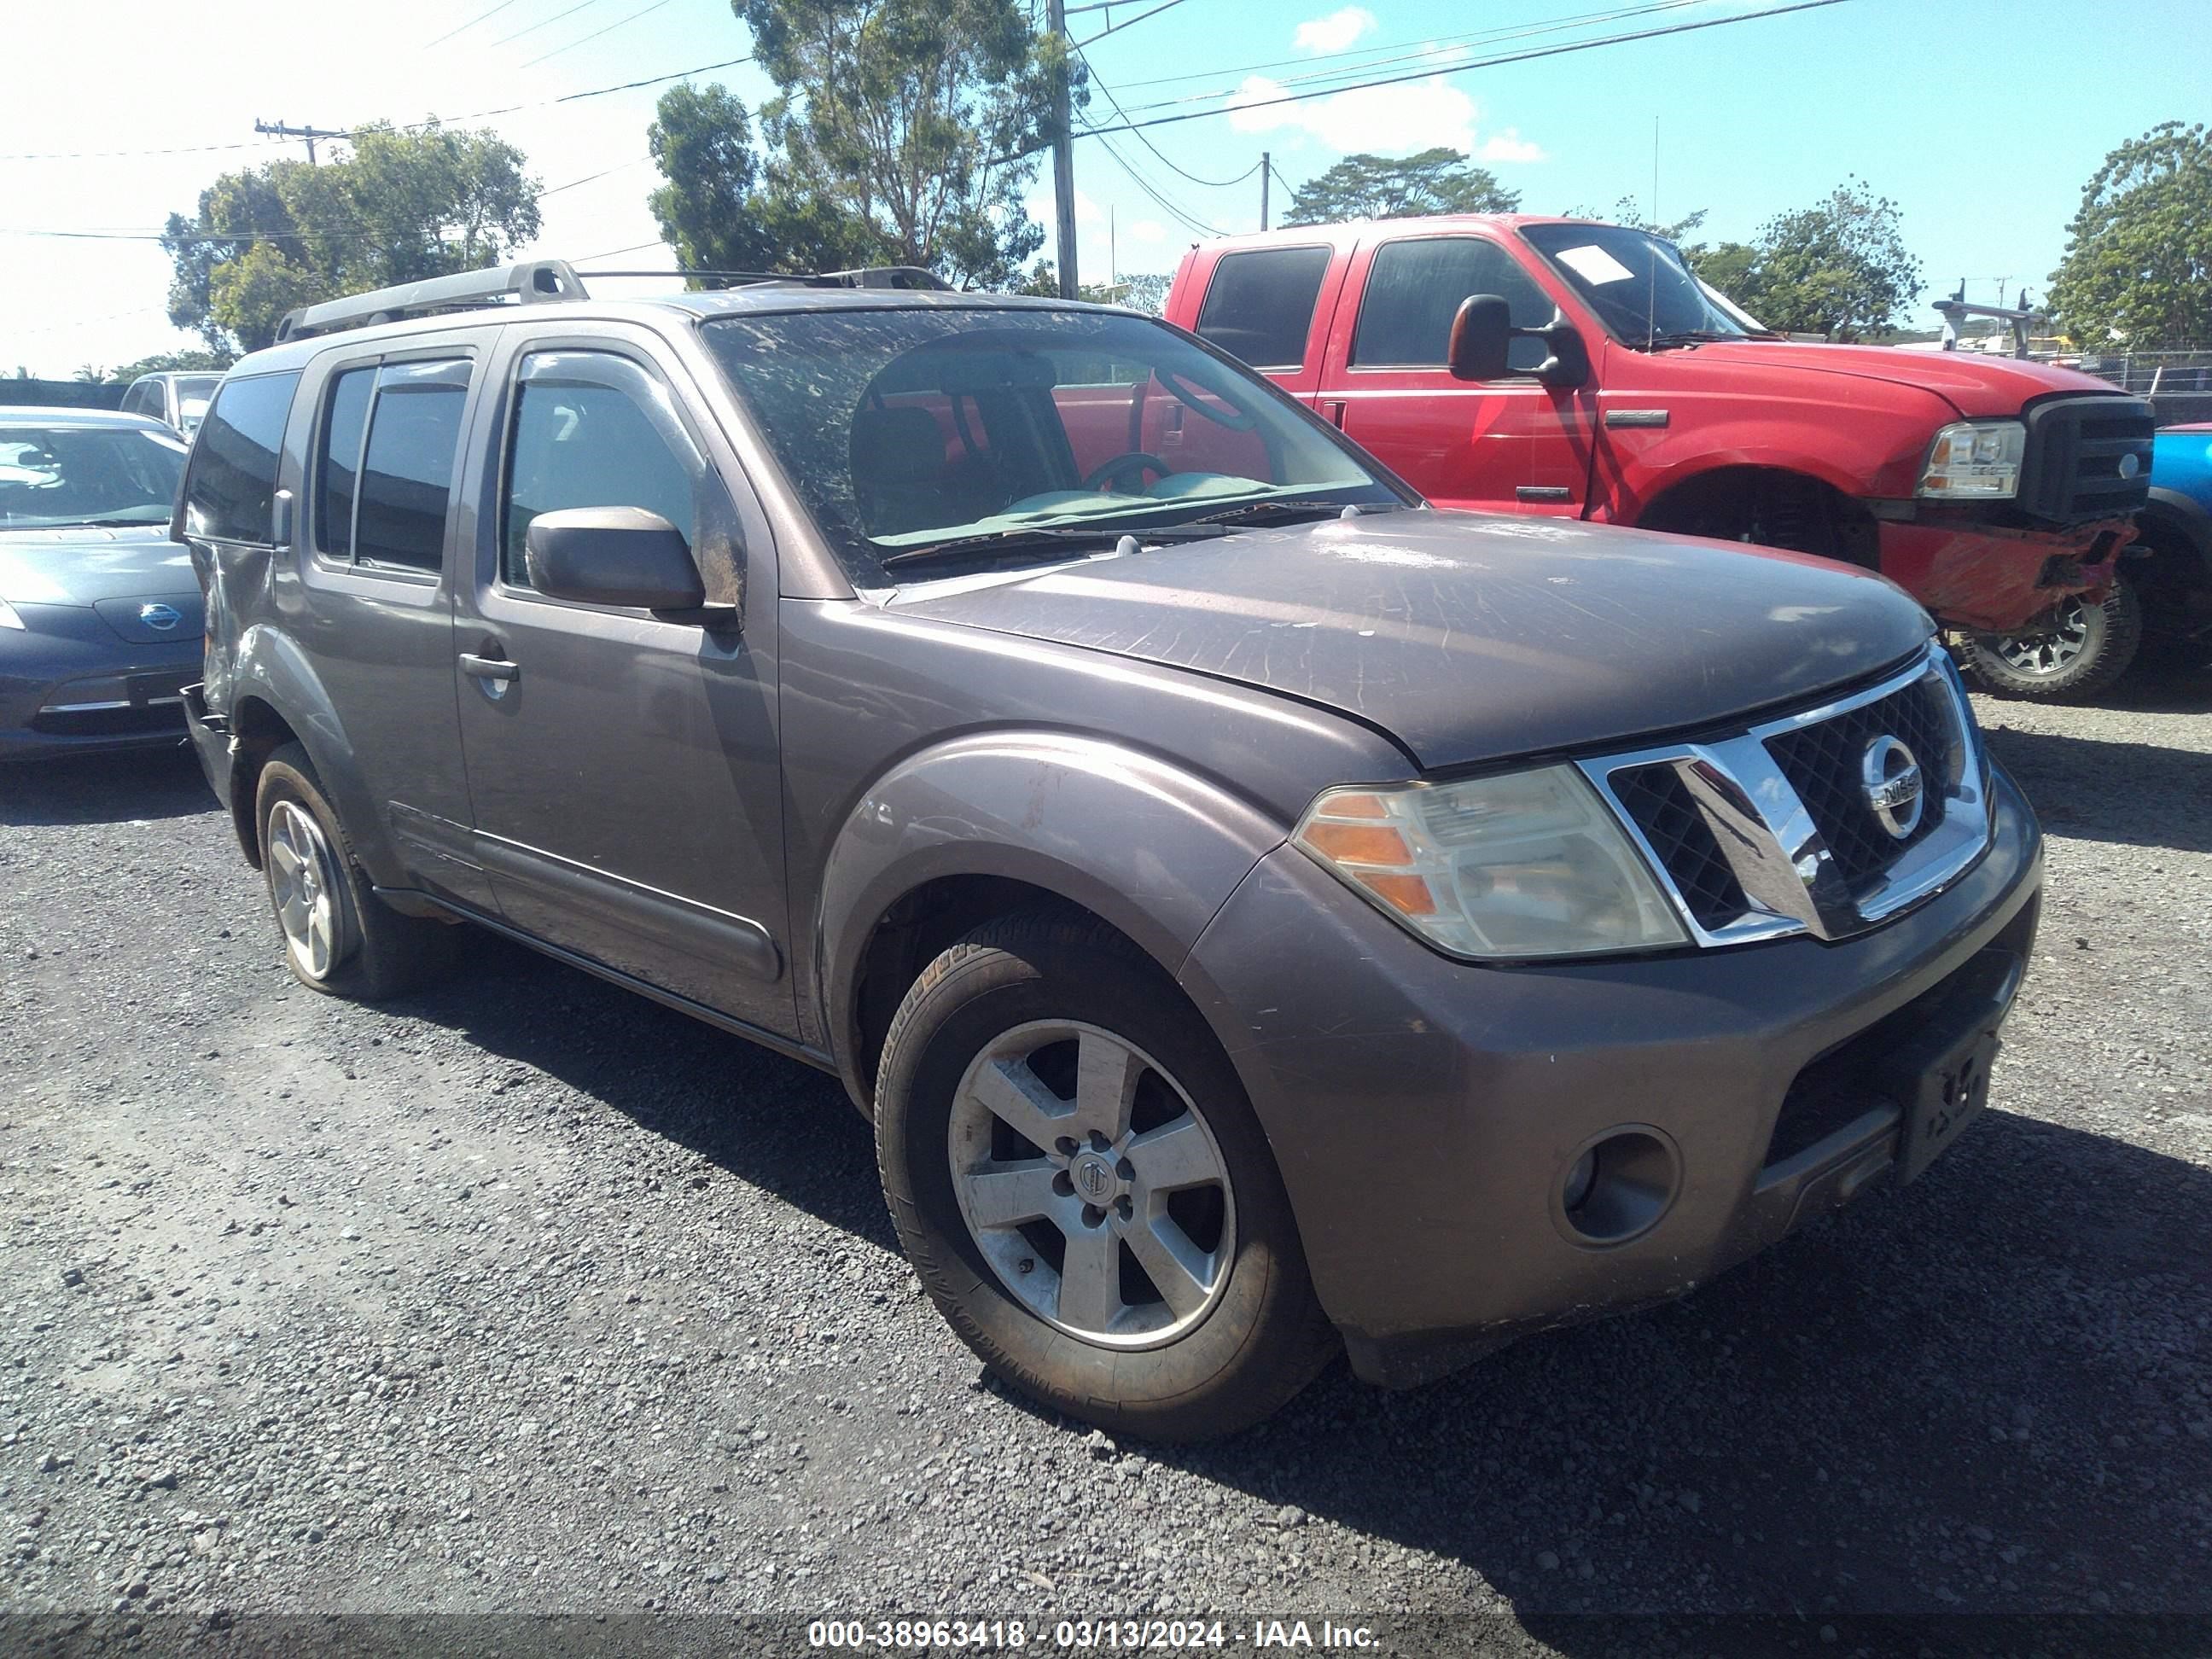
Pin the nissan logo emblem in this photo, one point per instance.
(1894, 791)
(161, 619)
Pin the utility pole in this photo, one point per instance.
(1063, 164)
(310, 133)
(1266, 166)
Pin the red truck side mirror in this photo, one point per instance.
(1482, 336)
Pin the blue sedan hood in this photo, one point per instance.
(85, 565)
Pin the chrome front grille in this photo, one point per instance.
(1774, 831)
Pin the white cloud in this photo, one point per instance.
(1334, 32)
(1395, 120)
(1508, 146)
(1148, 230)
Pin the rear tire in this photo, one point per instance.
(2083, 650)
(1129, 1259)
(340, 938)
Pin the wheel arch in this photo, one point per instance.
(981, 826)
(1805, 487)
(2188, 522)
(274, 697)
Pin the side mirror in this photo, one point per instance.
(1482, 336)
(613, 555)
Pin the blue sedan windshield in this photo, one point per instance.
(80, 475)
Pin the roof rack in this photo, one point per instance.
(537, 282)
(534, 281)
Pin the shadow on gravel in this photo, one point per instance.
(773, 1122)
(1990, 1392)
(147, 783)
(1985, 1393)
(2135, 794)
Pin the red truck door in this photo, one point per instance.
(1512, 445)
(1271, 307)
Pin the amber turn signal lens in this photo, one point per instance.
(1357, 843)
(1407, 895)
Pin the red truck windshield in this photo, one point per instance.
(1638, 286)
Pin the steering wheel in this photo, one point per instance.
(1135, 460)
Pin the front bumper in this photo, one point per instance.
(1985, 579)
(66, 695)
(1425, 1112)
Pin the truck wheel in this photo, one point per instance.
(1076, 1177)
(340, 938)
(2084, 648)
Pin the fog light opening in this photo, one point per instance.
(1620, 1186)
(1579, 1180)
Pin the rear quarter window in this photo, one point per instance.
(1259, 305)
(232, 482)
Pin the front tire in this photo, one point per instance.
(2082, 650)
(1075, 1173)
(340, 938)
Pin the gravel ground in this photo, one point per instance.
(527, 1294)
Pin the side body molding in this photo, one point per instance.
(1152, 849)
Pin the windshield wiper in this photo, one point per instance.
(1030, 540)
(1283, 512)
(1687, 337)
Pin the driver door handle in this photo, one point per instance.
(489, 668)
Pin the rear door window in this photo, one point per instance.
(1416, 287)
(407, 470)
(1259, 305)
(232, 482)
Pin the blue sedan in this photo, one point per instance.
(2172, 565)
(99, 611)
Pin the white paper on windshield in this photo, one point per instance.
(1593, 265)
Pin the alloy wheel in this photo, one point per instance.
(2055, 649)
(1091, 1184)
(303, 880)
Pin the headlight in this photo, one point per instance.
(1527, 864)
(1975, 460)
(8, 618)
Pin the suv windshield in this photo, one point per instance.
(1639, 286)
(64, 475)
(905, 429)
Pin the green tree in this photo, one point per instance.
(1837, 268)
(398, 207)
(174, 362)
(2137, 268)
(1439, 180)
(914, 123)
(1629, 212)
(721, 209)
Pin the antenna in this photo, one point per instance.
(1651, 293)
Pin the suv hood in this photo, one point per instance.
(1974, 385)
(1472, 637)
(88, 564)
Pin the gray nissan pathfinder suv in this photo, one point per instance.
(1261, 915)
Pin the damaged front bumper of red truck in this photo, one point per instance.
(1992, 579)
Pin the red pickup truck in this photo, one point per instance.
(1516, 364)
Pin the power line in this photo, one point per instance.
(1113, 27)
(1433, 49)
(1210, 183)
(1472, 64)
(655, 6)
(412, 126)
(545, 21)
(463, 27)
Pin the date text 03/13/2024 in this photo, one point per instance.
(1126, 1634)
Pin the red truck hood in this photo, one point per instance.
(1972, 384)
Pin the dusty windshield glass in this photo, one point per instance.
(1638, 285)
(60, 475)
(906, 429)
